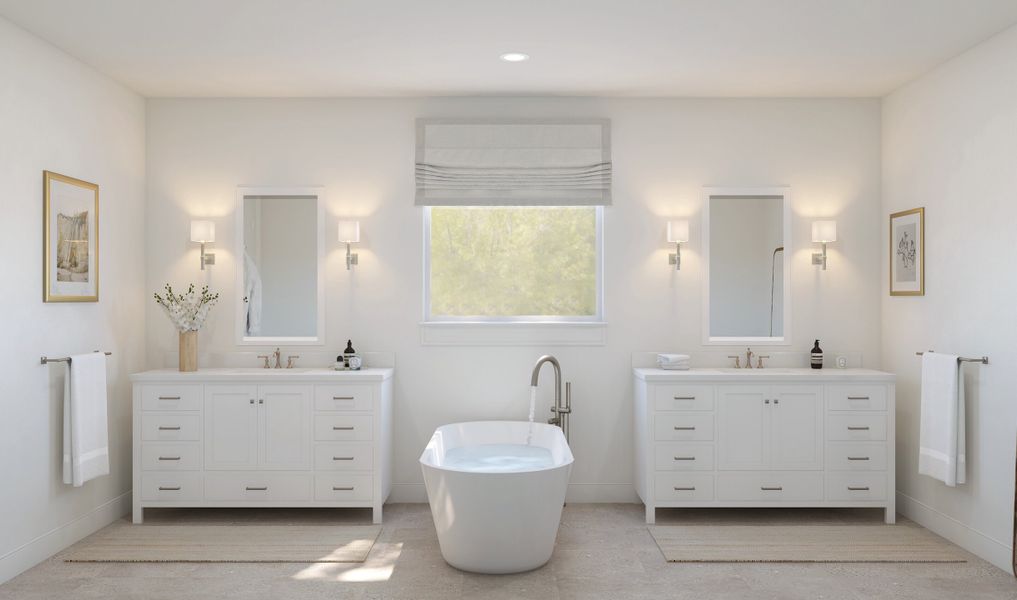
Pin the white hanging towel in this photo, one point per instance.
(942, 446)
(86, 443)
(252, 291)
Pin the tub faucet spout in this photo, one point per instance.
(560, 412)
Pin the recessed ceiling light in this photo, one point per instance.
(514, 57)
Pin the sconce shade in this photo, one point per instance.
(349, 231)
(678, 231)
(824, 231)
(202, 231)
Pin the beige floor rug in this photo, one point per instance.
(227, 543)
(902, 543)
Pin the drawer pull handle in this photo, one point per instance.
(865, 428)
(690, 488)
(772, 489)
(342, 458)
(336, 488)
(169, 397)
(858, 458)
(175, 488)
(342, 428)
(858, 397)
(169, 458)
(342, 397)
(257, 489)
(685, 458)
(684, 428)
(165, 428)
(684, 397)
(863, 488)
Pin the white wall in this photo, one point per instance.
(950, 145)
(664, 152)
(58, 114)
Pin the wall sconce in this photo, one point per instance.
(349, 233)
(203, 232)
(823, 232)
(677, 233)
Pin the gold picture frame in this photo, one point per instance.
(907, 252)
(70, 238)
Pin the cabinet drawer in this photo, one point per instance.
(171, 397)
(683, 397)
(863, 427)
(862, 487)
(682, 427)
(343, 488)
(683, 457)
(170, 427)
(683, 487)
(343, 396)
(339, 428)
(171, 487)
(856, 456)
(343, 457)
(856, 397)
(156, 456)
(258, 487)
(773, 486)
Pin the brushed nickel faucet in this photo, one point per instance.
(748, 358)
(278, 359)
(561, 418)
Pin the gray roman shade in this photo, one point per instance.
(513, 163)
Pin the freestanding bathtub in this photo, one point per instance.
(498, 512)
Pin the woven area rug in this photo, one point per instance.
(902, 543)
(227, 543)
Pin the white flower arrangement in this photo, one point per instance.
(189, 310)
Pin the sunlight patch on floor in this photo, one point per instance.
(378, 567)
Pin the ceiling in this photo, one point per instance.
(451, 47)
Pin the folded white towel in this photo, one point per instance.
(941, 434)
(86, 443)
(672, 367)
(672, 358)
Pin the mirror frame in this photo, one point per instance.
(318, 192)
(784, 193)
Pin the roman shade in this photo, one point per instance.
(513, 163)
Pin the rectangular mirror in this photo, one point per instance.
(746, 253)
(280, 258)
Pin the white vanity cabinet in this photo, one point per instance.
(781, 437)
(256, 437)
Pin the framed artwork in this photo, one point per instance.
(70, 237)
(907, 253)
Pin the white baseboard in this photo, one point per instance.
(995, 551)
(579, 493)
(31, 553)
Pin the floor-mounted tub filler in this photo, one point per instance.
(496, 490)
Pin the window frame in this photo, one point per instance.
(597, 318)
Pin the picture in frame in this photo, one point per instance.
(907, 253)
(70, 239)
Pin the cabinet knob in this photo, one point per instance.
(767, 401)
(252, 400)
(261, 400)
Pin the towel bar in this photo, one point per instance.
(67, 359)
(984, 360)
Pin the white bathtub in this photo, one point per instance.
(496, 522)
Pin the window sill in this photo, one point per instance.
(513, 333)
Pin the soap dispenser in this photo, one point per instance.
(817, 356)
(348, 352)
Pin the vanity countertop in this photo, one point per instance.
(317, 374)
(777, 374)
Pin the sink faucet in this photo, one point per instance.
(278, 358)
(748, 358)
(561, 418)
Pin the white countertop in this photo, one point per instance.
(319, 374)
(730, 375)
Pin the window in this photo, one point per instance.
(508, 263)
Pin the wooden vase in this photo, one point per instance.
(189, 351)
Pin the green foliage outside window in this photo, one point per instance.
(513, 262)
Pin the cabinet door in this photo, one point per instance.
(796, 426)
(231, 427)
(742, 431)
(284, 422)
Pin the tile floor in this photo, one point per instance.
(604, 551)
